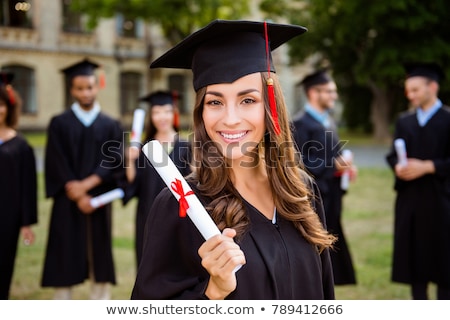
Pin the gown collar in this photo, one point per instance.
(321, 117)
(424, 116)
(86, 117)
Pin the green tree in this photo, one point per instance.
(366, 44)
(178, 18)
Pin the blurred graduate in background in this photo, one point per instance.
(83, 158)
(144, 182)
(18, 184)
(421, 252)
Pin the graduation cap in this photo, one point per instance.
(428, 70)
(226, 50)
(316, 78)
(6, 77)
(83, 68)
(159, 98)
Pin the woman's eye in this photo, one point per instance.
(248, 101)
(213, 102)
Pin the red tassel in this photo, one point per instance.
(102, 79)
(176, 119)
(273, 105)
(270, 90)
(12, 98)
(176, 115)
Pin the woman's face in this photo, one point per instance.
(234, 116)
(3, 111)
(162, 117)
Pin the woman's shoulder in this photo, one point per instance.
(22, 141)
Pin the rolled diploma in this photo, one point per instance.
(162, 163)
(400, 148)
(345, 178)
(138, 125)
(106, 197)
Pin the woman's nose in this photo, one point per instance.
(232, 116)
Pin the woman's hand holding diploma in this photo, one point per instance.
(221, 256)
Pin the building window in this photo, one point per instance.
(130, 89)
(176, 83)
(129, 28)
(15, 13)
(24, 84)
(73, 22)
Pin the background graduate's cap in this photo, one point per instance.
(6, 78)
(226, 50)
(428, 70)
(159, 98)
(82, 68)
(316, 78)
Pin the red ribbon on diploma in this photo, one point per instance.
(178, 188)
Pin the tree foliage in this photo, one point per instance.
(178, 18)
(367, 42)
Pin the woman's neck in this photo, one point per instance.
(243, 172)
(254, 186)
(6, 132)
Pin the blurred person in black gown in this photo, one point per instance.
(18, 184)
(267, 208)
(316, 136)
(83, 158)
(144, 182)
(422, 208)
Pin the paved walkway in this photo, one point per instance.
(370, 156)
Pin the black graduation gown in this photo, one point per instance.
(74, 152)
(18, 197)
(422, 206)
(147, 185)
(280, 263)
(319, 147)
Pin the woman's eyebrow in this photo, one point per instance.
(241, 93)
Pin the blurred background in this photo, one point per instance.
(364, 43)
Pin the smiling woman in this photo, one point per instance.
(246, 175)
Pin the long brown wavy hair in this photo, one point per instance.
(288, 180)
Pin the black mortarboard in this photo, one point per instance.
(226, 50)
(158, 98)
(316, 78)
(6, 77)
(428, 70)
(83, 68)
